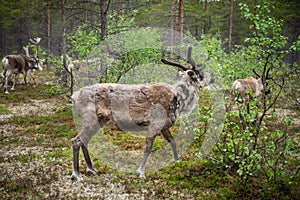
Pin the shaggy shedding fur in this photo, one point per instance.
(151, 107)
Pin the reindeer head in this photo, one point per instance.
(263, 82)
(37, 64)
(192, 73)
(34, 61)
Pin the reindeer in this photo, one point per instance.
(244, 87)
(151, 107)
(16, 64)
(76, 68)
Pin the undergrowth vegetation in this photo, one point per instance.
(191, 178)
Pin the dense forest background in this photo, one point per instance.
(54, 20)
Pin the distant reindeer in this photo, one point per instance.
(152, 107)
(16, 64)
(244, 87)
(78, 69)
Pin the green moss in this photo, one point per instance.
(23, 159)
(3, 109)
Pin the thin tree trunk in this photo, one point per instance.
(64, 43)
(206, 17)
(103, 18)
(21, 34)
(180, 19)
(2, 43)
(172, 22)
(173, 18)
(48, 34)
(118, 10)
(230, 26)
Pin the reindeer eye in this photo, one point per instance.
(194, 75)
(200, 75)
(191, 73)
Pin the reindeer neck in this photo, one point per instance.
(187, 96)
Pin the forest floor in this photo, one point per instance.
(36, 128)
(35, 164)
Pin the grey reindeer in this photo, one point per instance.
(151, 107)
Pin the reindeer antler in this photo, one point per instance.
(256, 73)
(190, 59)
(196, 66)
(35, 41)
(176, 64)
(26, 51)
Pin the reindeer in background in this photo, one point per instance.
(16, 64)
(243, 88)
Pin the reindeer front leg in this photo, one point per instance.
(25, 78)
(76, 147)
(7, 76)
(90, 168)
(15, 81)
(77, 143)
(149, 143)
(90, 127)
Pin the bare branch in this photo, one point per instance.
(267, 74)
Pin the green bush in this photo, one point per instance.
(257, 143)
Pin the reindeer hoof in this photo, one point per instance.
(91, 171)
(140, 173)
(142, 176)
(6, 92)
(76, 177)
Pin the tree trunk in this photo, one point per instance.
(64, 43)
(180, 19)
(173, 18)
(48, 35)
(103, 18)
(230, 26)
(172, 22)
(206, 18)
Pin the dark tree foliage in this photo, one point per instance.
(21, 20)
